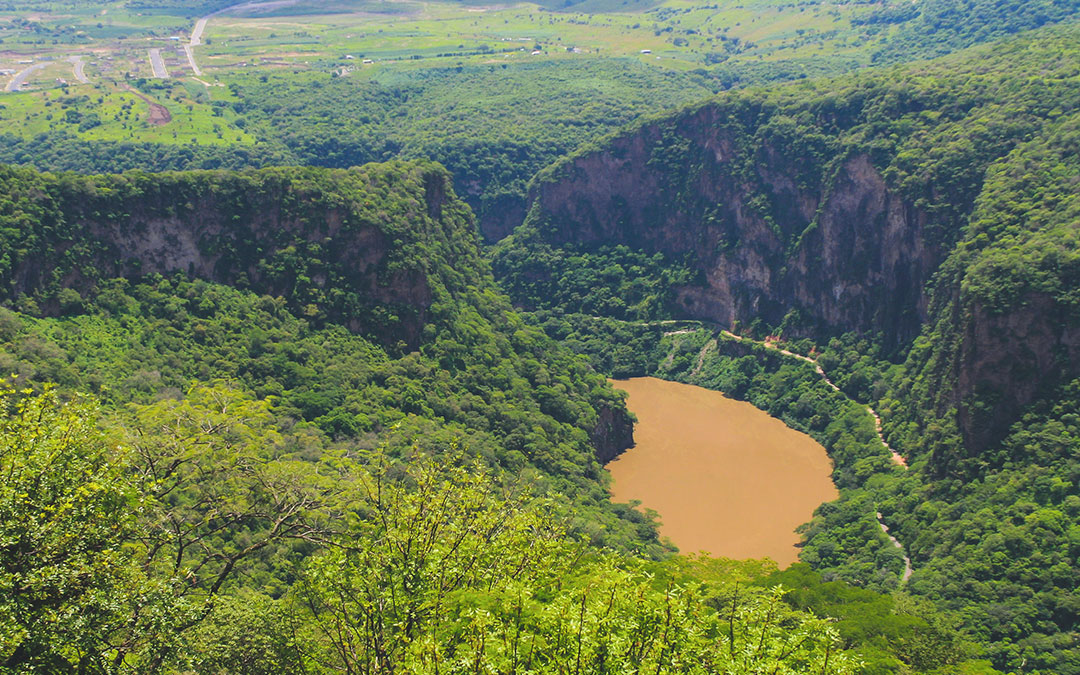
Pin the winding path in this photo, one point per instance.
(907, 561)
(709, 346)
(200, 27)
(897, 458)
(196, 40)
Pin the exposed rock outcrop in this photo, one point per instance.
(1009, 360)
(785, 213)
(338, 245)
(385, 250)
(613, 433)
(843, 249)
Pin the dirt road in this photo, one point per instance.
(897, 458)
(159, 114)
(907, 561)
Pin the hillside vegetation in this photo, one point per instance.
(916, 228)
(448, 81)
(261, 418)
(216, 461)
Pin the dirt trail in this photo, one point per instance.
(897, 458)
(709, 346)
(907, 561)
(159, 114)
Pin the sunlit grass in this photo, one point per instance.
(677, 34)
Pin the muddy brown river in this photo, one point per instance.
(725, 477)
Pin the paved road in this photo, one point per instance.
(20, 77)
(196, 40)
(78, 66)
(200, 26)
(157, 65)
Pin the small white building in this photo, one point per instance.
(646, 51)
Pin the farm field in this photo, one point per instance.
(72, 66)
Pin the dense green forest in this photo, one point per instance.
(261, 418)
(981, 397)
(493, 125)
(203, 478)
(936, 28)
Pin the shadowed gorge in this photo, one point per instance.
(314, 318)
(914, 230)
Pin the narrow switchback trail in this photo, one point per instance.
(897, 458)
(711, 345)
(907, 561)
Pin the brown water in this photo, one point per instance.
(725, 477)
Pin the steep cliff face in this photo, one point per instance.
(1009, 360)
(338, 245)
(1005, 329)
(768, 230)
(613, 433)
(834, 207)
(386, 250)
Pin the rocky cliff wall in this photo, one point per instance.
(613, 433)
(807, 215)
(338, 245)
(768, 231)
(1009, 360)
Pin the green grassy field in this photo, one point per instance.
(367, 39)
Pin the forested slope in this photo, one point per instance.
(492, 127)
(492, 123)
(385, 251)
(919, 227)
(283, 421)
